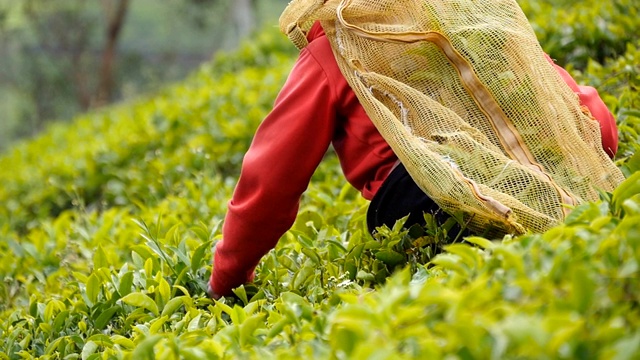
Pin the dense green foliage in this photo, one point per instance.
(107, 226)
(574, 32)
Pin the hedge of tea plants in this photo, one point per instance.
(107, 225)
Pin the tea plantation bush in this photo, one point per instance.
(573, 32)
(107, 226)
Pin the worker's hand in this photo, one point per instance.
(212, 294)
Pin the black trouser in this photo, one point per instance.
(398, 197)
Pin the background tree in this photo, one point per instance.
(62, 57)
(115, 11)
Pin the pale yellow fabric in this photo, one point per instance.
(463, 93)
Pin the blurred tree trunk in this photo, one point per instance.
(62, 48)
(115, 21)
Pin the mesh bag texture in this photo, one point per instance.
(466, 98)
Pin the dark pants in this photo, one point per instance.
(398, 197)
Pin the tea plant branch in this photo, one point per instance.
(149, 237)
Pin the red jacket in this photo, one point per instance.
(315, 108)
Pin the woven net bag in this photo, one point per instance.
(464, 95)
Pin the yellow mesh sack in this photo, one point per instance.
(462, 92)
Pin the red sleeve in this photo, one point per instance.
(286, 150)
(589, 97)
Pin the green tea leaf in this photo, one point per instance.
(172, 305)
(312, 255)
(148, 268)
(100, 259)
(53, 346)
(89, 348)
(101, 340)
(141, 300)
(144, 349)
(93, 288)
(157, 324)
(249, 327)
(105, 316)
(60, 320)
(390, 257)
(123, 341)
(628, 188)
(198, 256)
(163, 291)
(241, 293)
(126, 282)
(481, 242)
(450, 262)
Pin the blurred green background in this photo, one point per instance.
(54, 55)
(65, 57)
